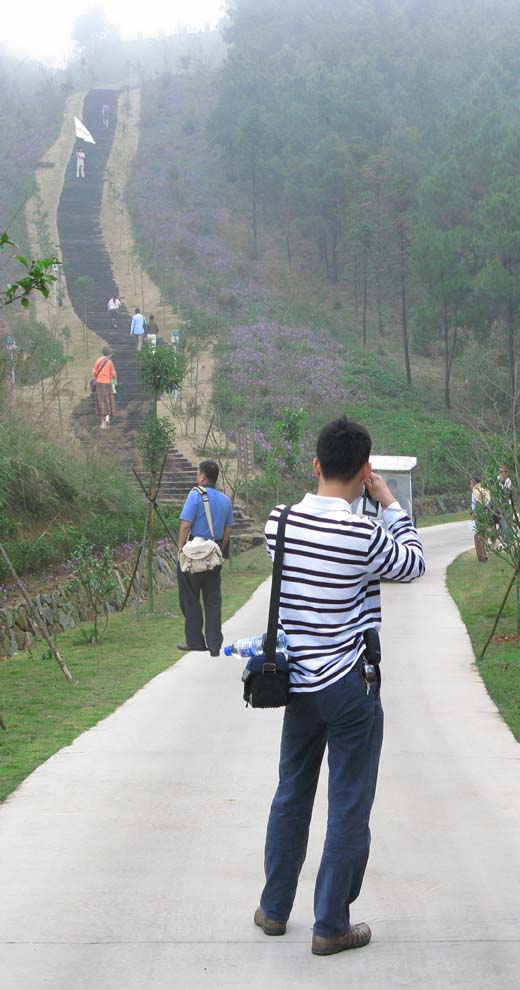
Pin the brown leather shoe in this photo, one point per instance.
(354, 938)
(269, 926)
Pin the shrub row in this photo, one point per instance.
(58, 544)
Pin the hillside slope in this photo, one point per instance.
(191, 224)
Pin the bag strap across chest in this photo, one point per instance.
(205, 501)
(276, 585)
(101, 366)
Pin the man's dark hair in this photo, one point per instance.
(477, 478)
(210, 469)
(137, 310)
(343, 448)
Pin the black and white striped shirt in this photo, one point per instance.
(332, 564)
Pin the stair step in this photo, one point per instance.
(84, 253)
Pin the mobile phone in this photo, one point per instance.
(370, 505)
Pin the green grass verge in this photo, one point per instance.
(43, 712)
(478, 590)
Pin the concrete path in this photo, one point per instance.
(133, 858)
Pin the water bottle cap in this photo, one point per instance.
(228, 652)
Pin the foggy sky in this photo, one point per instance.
(44, 31)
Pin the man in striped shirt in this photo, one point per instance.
(333, 561)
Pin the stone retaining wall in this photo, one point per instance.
(63, 608)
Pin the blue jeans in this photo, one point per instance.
(350, 722)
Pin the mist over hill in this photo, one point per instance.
(348, 169)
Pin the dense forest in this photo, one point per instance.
(387, 132)
(345, 189)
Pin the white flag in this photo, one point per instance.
(81, 131)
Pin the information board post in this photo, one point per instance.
(245, 459)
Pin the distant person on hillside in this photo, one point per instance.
(138, 327)
(80, 163)
(105, 113)
(113, 306)
(105, 375)
(152, 330)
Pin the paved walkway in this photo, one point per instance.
(133, 858)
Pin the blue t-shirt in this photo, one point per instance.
(138, 324)
(221, 513)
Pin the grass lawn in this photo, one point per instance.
(43, 712)
(478, 590)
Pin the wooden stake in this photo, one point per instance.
(501, 609)
(35, 617)
(139, 587)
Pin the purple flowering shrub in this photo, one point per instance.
(280, 383)
(267, 368)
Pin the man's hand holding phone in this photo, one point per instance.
(378, 490)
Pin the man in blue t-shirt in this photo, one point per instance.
(194, 523)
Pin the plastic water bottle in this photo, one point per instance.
(251, 646)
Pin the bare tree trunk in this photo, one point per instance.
(501, 609)
(514, 426)
(365, 301)
(324, 254)
(334, 255)
(139, 588)
(446, 334)
(149, 568)
(355, 285)
(511, 344)
(288, 231)
(379, 301)
(254, 212)
(404, 310)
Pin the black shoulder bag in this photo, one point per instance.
(266, 676)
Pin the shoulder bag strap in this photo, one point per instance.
(102, 365)
(274, 604)
(205, 501)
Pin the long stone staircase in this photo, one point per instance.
(84, 254)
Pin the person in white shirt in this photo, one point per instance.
(138, 327)
(80, 163)
(113, 306)
(503, 477)
(332, 564)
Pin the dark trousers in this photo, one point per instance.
(350, 722)
(190, 588)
